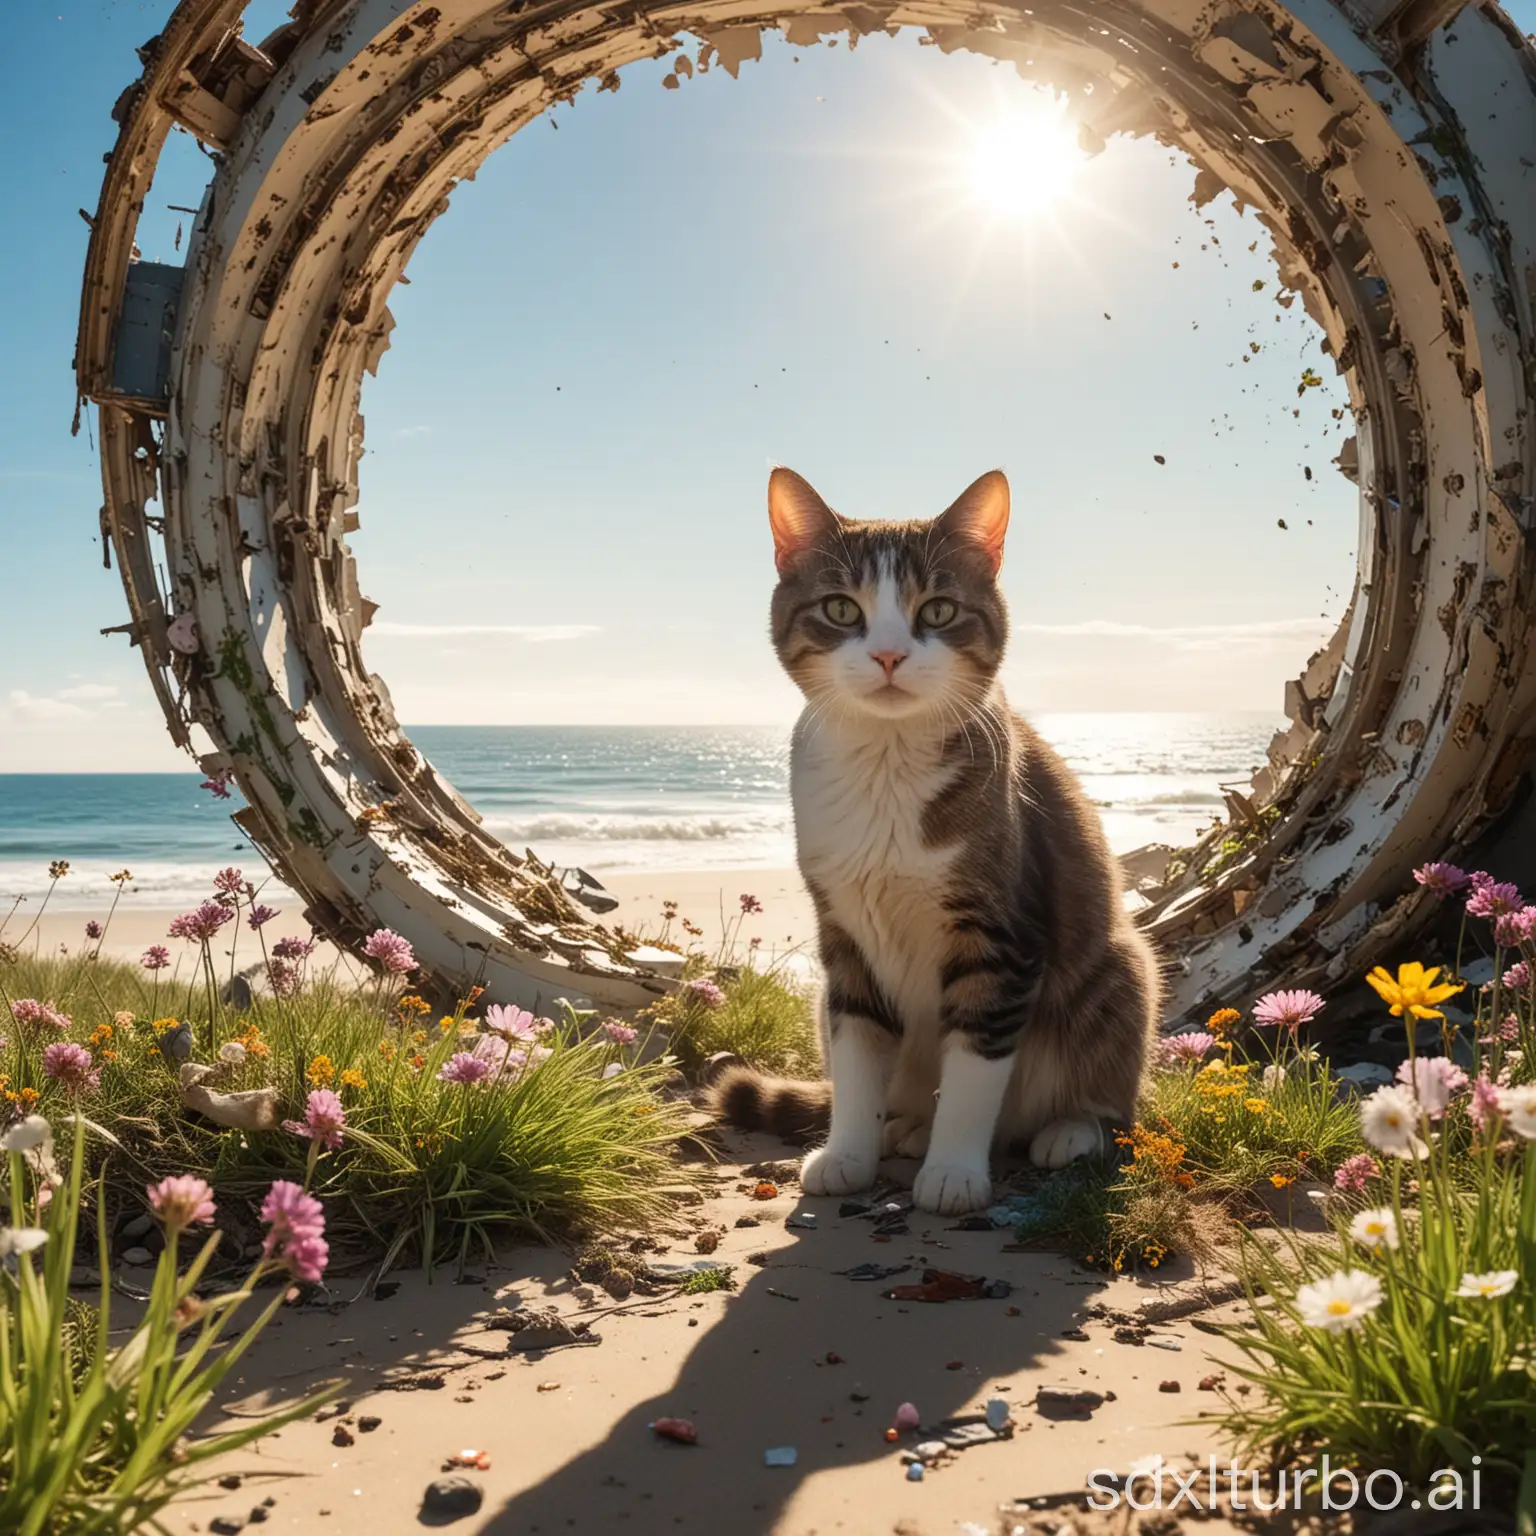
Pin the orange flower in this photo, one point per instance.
(321, 1072)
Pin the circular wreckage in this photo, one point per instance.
(1388, 146)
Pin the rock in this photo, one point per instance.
(1364, 1075)
(451, 1498)
(1169, 1386)
(139, 1257)
(748, 1221)
(707, 1240)
(619, 1283)
(681, 1194)
(341, 1435)
(998, 1413)
(1211, 1383)
(929, 1450)
(369, 1422)
(1067, 1402)
(231, 1480)
(258, 1514)
(780, 1456)
(137, 1227)
(226, 1525)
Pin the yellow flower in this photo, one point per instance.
(352, 1078)
(1414, 990)
(28, 1097)
(1258, 1106)
(1282, 1180)
(386, 1050)
(321, 1073)
(1222, 1020)
(161, 1025)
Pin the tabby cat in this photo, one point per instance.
(983, 982)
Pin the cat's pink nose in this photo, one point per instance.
(890, 660)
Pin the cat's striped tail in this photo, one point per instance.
(792, 1110)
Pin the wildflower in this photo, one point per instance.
(100, 1036)
(1190, 1046)
(410, 1003)
(297, 1230)
(155, 958)
(750, 905)
(217, 784)
(1288, 1010)
(200, 926)
(466, 1067)
(93, 929)
(1221, 1022)
(1493, 898)
(58, 869)
(387, 1050)
(418, 1061)
(1518, 1106)
(352, 1078)
(321, 1072)
(1507, 1031)
(28, 1135)
(1434, 1081)
(511, 1023)
(1343, 1301)
(31, 1014)
(250, 1038)
(260, 914)
(1376, 1229)
(324, 1119)
(1352, 1175)
(1414, 990)
(1389, 1120)
(1257, 1106)
(1483, 1106)
(1282, 1180)
(1441, 880)
(182, 1201)
(393, 953)
(1518, 977)
(122, 1019)
(284, 979)
(703, 991)
(1498, 1282)
(228, 882)
(293, 948)
(1512, 929)
(71, 1065)
(620, 1034)
(121, 877)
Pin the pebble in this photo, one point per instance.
(258, 1514)
(915, 1472)
(369, 1422)
(907, 1417)
(137, 1227)
(341, 1435)
(929, 1450)
(138, 1256)
(452, 1497)
(1211, 1383)
(226, 1525)
(1169, 1386)
(997, 1413)
(1059, 1401)
(231, 1480)
(780, 1456)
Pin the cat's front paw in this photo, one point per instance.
(833, 1171)
(950, 1189)
(1065, 1140)
(906, 1137)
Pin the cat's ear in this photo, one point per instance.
(980, 516)
(798, 516)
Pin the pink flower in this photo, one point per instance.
(750, 905)
(1353, 1175)
(393, 953)
(324, 1119)
(1434, 1081)
(31, 1014)
(155, 958)
(283, 978)
(1441, 880)
(1288, 1010)
(620, 1034)
(1493, 898)
(93, 929)
(71, 1065)
(706, 992)
(261, 914)
(1512, 929)
(297, 1230)
(229, 882)
(1518, 976)
(467, 1067)
(182, 1201)
(1485, 1102)
(217, 784)
(201, 925)
(1190, 1046)
(294, 948)
(514, 1023)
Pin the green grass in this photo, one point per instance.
(763, 1018)
(428, 1169)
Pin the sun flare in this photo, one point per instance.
(1025, 163)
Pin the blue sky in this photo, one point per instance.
(626, 320)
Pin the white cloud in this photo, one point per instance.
(82, 693)
(23, 706)
(535, 633)
(1191, 637)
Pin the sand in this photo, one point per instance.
(798, 1356)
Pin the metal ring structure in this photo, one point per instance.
(1386, 145)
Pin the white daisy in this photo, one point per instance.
(1340, 1302)
(1389, 1120)
(1497, 1282)
(1375, 1229)
(1519, 1107)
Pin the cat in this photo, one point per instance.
(984, 984)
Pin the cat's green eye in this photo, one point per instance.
(937, 612)
(842, 611)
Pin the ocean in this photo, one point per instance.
(612, 799)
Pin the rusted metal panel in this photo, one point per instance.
(1387, 168)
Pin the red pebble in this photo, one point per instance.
(681, 1430)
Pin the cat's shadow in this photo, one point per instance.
(805, 1357)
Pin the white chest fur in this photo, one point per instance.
(859, 795)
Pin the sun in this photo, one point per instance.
(1023, 164)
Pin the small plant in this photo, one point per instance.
(92, 1438)
(757, 1015)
